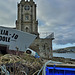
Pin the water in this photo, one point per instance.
(65, 55)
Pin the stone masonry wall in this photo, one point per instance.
(43, 47)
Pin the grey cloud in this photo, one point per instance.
(55, 11)
(56, 16)
(8, 12)
(59, 17)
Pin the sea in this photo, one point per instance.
(65, 55)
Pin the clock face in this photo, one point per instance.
(27, 7)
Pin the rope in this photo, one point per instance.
(43, 69)
(36, 72)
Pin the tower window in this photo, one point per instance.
(22, 17)
(27, 7)
(27, 29)
(26, 17)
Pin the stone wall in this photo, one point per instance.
(43, 47)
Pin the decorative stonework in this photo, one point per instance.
(26, 19)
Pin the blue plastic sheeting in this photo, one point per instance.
(37, 56)
(59, 71)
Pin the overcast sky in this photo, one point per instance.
(56, 16)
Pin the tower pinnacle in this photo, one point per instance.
(22, 0)
(31, 0)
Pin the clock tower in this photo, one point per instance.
(27, 22)
(26, 17)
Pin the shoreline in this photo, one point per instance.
(64, 60)
(63, 52)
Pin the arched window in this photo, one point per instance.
(26, 17)
(27, 29)
(45, 46)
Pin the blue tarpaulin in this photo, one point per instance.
(59, 71)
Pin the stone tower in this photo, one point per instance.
(26, 17)
(27, 22)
